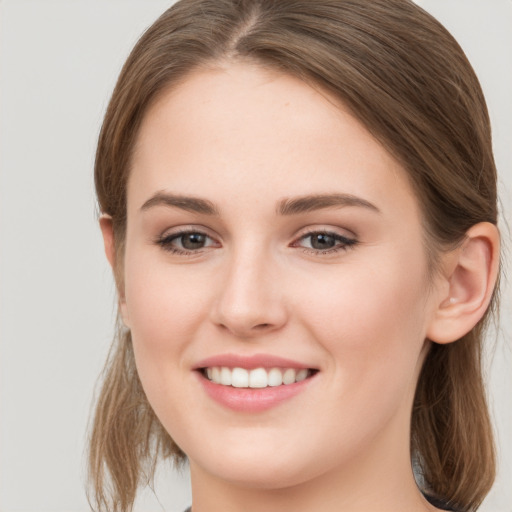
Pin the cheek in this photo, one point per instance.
(164, 308)
(371, 320)
(360, 298)
(371, 328)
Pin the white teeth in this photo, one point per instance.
(257, 378)
(289, 376)
(301, 375)
(225, 377)
(239, 377)
(275, 377)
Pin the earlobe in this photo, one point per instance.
(471, 280)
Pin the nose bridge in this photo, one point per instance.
(250, 300)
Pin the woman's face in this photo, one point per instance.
(269, 232)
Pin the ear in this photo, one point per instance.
(107, 230)
(470, 275)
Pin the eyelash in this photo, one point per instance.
(166, 242)
(343, 243)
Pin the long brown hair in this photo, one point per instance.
(407, 80)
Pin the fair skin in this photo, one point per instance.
(337, 286)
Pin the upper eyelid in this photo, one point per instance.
(191, 228)
(180, 230)
(334, 234)
(335, 231)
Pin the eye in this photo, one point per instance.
(324, 242)
(186, 242)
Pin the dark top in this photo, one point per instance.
(433, 501)
(439, 503)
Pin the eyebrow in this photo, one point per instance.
(188, 203)
(287, 206)
(304, 204)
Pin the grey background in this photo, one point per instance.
(58, 63)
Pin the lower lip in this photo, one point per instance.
(252, 399)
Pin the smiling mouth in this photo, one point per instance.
(256, 378)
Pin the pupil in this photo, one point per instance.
(322, 241)
(193, 241)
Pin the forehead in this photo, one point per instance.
(257, 131)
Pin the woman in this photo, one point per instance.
(299, 206)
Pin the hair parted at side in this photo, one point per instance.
(407, 80)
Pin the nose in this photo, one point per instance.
(250, 300)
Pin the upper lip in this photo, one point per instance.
(249, 362)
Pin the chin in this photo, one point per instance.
(261, 474)
(259, 464)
